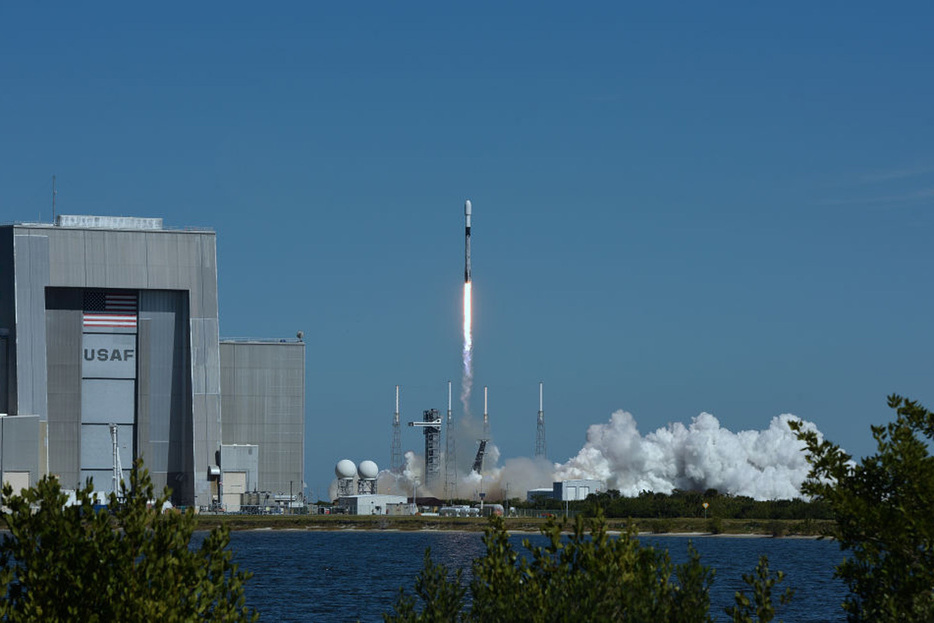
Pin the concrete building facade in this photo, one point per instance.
(571, 490)
(114, 321)
(262, 391)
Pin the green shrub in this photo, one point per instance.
(591, 577)
(883, 511)
(127, 563)
(715, 525)
(761, 607)
(777, 528)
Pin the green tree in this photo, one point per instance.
(577, 577)
(130, 562)
(761, 607)
(582, 577)
(884, 515)
(441, 594)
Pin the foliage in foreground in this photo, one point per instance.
(761, 607)
(128, 563)
(578, 577)
(884, 512)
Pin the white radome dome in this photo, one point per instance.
(368, 470)
(345, 469)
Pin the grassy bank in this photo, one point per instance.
(686, 525)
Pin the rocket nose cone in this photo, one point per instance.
(467, 208)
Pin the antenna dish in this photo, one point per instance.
(368, 470)
(345, 469)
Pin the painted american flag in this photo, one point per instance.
(110, 308)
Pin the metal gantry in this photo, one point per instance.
(478, 460)
(431, 426)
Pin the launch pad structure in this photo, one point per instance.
(431, 427)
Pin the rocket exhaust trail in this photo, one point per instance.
(467, 378)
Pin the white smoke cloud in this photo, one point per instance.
(402, 484)
(768, 464)
(513, 479)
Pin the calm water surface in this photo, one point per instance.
(355, 576)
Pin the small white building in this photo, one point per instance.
(459, 511)
(369, 504)
(571, 490)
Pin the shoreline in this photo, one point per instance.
(617, 533)
(688, 527)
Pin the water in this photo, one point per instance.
(349, 576)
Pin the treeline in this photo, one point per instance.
(691, 504)
(648, 505)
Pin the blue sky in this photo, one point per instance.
(677, 208)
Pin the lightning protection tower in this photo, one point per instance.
(431, 426)
(395, 461)
(540, 432)
(450, 458)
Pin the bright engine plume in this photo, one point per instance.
(467, 378)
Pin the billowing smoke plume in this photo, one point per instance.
(762, 464)
(392, 483)
(768, 464)
(467, 376)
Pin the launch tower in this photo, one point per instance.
(431, 426)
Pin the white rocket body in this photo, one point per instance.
(467, 241)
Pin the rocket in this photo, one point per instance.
(467, 241)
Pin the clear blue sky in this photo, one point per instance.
(679, 208)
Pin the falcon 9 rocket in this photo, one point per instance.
(467, 241)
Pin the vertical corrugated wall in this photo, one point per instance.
(164, 412)
(7, 323)
(19, 450)
(63, 348)
(263, 401)
(31, 258)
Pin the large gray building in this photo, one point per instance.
(111, 322)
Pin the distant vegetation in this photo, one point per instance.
(691, 504)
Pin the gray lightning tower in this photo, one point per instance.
(450, 458)
(396, 464)
(431, 425)
(540, 433)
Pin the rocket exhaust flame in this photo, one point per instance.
(467, 379)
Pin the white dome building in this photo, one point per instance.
(366, 474)
(345, 470)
